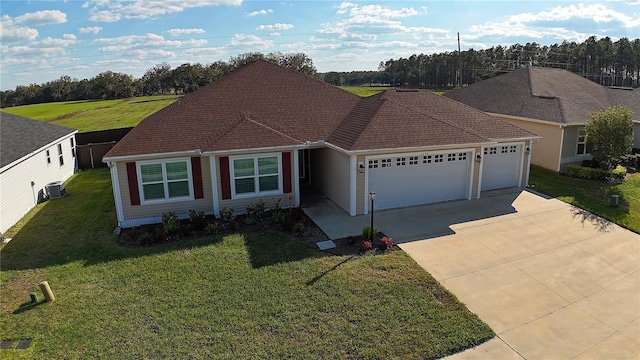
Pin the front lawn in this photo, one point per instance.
(255, 295)
(593, 196)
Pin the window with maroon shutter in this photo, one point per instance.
(286, 172)
(132, 178)
(196, 172)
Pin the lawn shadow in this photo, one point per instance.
(28, 306)
(271, 249)
(320, 276)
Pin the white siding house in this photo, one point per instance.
(32, 154)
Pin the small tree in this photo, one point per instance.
(609, 135)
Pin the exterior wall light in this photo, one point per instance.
(479, 158)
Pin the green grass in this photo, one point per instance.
(90, 115)
(255, 295)
(364, 91)
(593, 196)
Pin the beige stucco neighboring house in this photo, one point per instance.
(33, 154)
(266, 132)
(553, 103)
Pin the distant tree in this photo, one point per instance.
(333, 78)
(609, 135)
(157, 80)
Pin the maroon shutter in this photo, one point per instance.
(132, 177)
(286, 172)
(225, 177)
(196, 171)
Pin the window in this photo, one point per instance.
(413, 160)
(60, 157)
(451, 157)
(386, 162)
(256, 175)
(73, 148)
(582, 148)
(462, 156)
(373, 164)
(426, 159)
(48, 158)
(490, 151)
(512, 148)
(504, 149)
(167, 180)
(438, 158)
(401, 161)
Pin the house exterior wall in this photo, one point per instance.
(360, 186)
(330, 174)
(546, 151)
(17, 196)
(636, 135)
(240, 205)
(570, 147)
(135, 215)
(475, 193)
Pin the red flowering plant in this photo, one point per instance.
(367, 245)
(387, 242)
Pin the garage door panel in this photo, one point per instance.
(413, 180)
(501, 167)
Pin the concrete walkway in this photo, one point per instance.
(553, 281)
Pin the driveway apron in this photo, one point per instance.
(553, 281)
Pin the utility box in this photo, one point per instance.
(613, 202)
(56, 190)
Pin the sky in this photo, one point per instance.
(41, 41)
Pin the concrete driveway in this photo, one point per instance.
(553, 281)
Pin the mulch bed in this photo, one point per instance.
(153, 234)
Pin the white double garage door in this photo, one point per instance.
(422, 178)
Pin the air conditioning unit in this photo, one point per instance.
(56, 190)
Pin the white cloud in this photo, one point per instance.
(177, 32)
(242, 40)
(44, 17)
(146, 46)
(597, 12)
(90, 30)
(278, 26)
(17, 34)
(376, 11)
(45, 47)
(112, 11)
(259, 12)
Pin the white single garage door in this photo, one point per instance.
(419, 179)
(501, 166)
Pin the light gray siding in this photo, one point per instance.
(570, 147)
(17, 196)
(636, 135)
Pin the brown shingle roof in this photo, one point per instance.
(548, 94)
(263, 105)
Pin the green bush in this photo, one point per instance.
(618, 174)
(631, 160)
(256, 210)
(581, 172)
(368, 232)
(227, 214)
(197, 220)
(170, 222)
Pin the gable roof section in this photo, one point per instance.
(20, 136)
(260, 105)
(263, 105)
(629, 98)
(407, 119)
(548, 94)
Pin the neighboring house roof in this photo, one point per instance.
(629, 98)
(547, 94)
(21, 136)
(263, 105)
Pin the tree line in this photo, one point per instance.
(601, 60)
(158, 80)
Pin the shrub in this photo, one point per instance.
(227, 215)
(387, 242)
(618, 174)
(214, 227)
(197, 220)
(367, 245)
(631, 160)
(351, 239)
(146, 239)
(256, 210)
(368, 232)
(582, 172)
(298, 228)
(170, 222)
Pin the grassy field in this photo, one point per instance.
(93, 115)
(254, 295)
(364, 91)
(593, 196)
